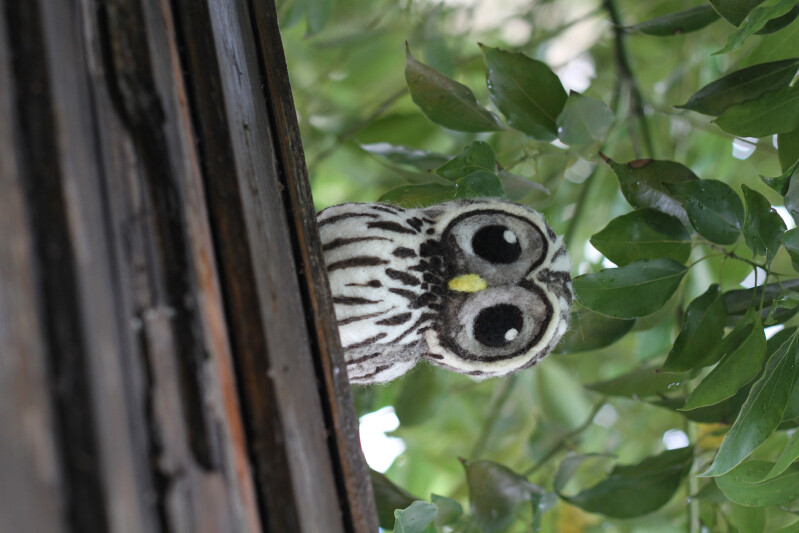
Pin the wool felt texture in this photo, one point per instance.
(480, 287)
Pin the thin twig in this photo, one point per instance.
(628, 79)
(381, 108)
(566, 440)
(579, 208)
(490, 421)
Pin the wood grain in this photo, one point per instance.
(169, 359)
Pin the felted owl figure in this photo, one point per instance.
(480, 286)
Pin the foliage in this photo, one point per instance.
(671, 170)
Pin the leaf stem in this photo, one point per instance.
(562, 443)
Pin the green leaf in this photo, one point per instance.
(734, 11)
(713, 208)
(403, 155)
(419, 195)
(788, 149)
(417, 518)
(739, 301)
(678, 23)
(763, 226)
(641, 382)
(781, 184)
(568, 467)
(445, 101)
(389, 497)
(792, 528)
(591, 331)
(518, 188)
(778, 23)
(476, 156)
(449, 510)
(643, 234)
(743, 485)
(786, 300)
(494, 493)
(773, 112)
(583, 120)
(723, 412)
(761, 413)
(643, 183)
(702, 329)
(748, 519)
(636, 490)
(786, 458)
(733, 372)
(790, 239)
(781, 45)
(419, 396)
(755, 21)
(791, 199)
(617, 292)
(527, 92)
(479, 184)
(317, 13)
(741, 86)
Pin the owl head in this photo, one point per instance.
(480, 286)
(507, 290)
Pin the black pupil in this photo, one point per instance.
(493, 323)
(491, 243)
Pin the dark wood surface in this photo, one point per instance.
(170, 360)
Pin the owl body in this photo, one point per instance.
(481, 287)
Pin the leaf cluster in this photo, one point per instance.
(672, 176)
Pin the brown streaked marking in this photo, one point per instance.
(363, 358)
(372, 374)
(375, 284)
(343, 216)
(403, 277)
(415, 223)
(338, 243)
(357, 261)
(421, 320)
(350, 320)
(353, 300)
(393, 227)
(365, 342)
(403, 252)
(410, 295)
(395, 320)
(386, 209)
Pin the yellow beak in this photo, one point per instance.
(467, 283)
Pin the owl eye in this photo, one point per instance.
(496, 244)
(498, 325)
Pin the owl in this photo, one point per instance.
(480, 287)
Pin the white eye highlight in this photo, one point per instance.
(509, 236)
(511, 334)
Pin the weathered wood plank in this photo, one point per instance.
(197, 438)
(133, 363)
(30, 484)
(344, 439)
(272, 346)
